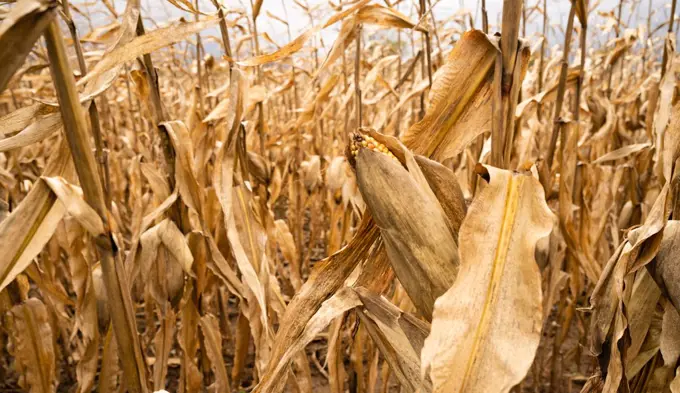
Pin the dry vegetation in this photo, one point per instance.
(433, 209)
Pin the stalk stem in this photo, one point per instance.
(357, 77)
(559, 100)
(118, 293)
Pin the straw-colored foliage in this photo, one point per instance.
(420, 205)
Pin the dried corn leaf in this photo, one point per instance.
(104, 72)
(622, 152)
(663, 268)
(109, 372)
(71, 197)
(163, 343)
(621, 47)
(213, 345)
(399, 336)
(460, 100)
(671, 142)
(232, 109)
(319, 99)
(486, 328)
(445, 186)
(187, 338)
(608, 321)
(167, 234)
(19, 31)
(223, 180)
(284, 238)
(86, 314)
(549, 94)
(256, 8)
(38, 130)
(102, 34)
(382, 16)
(326, 278)
(185, 5)
(347, 34)
(297, 44)
(25, 232)
(662, 115)
(641, 309)
(23, 117)
(34, 346)
(343, 300)
(185, 176)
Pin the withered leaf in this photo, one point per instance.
(486, 327)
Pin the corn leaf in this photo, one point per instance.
(486, 327)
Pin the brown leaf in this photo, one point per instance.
(663, 268)
(109, 372)
(342, 301)
(326, 278)
(256, 8)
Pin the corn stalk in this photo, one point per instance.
(75, 129)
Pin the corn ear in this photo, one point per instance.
(416, 231)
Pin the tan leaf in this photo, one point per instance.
(232, 108)
(548, 94)
(487, 326)
(40, 129)
(163, 343)
(22, 118)
(167, 234)
(399, 336)
(287, 244)
(34, 345)
(213, 345)
(297, 44)
(106, 70)
(71, 197)
(460, 100)
(109, 371)
(622, 152)
(327, 277)
(20, 29)
(345, 299)
(256, 8)
(382, 16)
(27, 229)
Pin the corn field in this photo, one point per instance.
(425, 202)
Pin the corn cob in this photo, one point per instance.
(362, 141)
